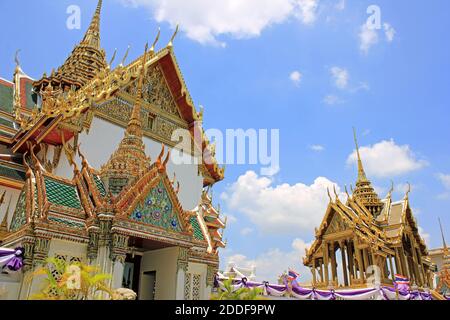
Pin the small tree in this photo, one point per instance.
(71, 282)
(244, 293)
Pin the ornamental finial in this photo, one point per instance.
(391, 190)
(152, 49)
(113, 57)
(84, 161)
(125, 56)
(408, 191)
(335, 192)
(329, 194)
(170, 45)
(346, 191)
(16, 58)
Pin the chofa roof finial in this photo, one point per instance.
(113, 57)
(16, 58)
(170, 45)
(408, 191)
(152, 49)
(392, 189)
(122, 63)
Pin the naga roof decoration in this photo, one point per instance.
(209, 222)
(72, 93)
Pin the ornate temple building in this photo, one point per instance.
(367, 238)
(86, 172)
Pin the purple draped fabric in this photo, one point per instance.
(298, 292)
(11, 259)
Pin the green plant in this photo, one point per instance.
(228, 292)
(70, 282)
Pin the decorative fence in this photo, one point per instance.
(296, 292)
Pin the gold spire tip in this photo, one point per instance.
(170, 45)
(152, 49)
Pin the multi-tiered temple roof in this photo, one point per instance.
(368, 231)
(131, 193)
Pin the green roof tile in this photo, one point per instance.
(6, 122)
(6, 98)
(61, 193)
(69, 223)
(100, 186)
(11, 173)
(198, 234)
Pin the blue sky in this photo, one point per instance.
(300, 66)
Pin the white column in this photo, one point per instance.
(117, 274)
(179, 290)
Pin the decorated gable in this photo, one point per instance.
(158, 210)
(336, 225)
(156, 92)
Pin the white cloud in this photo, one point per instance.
(230, 218)
(317, 148)
(386, 159)
(246, 231)
(296, 77)
(205, 20)
(307, 12)
(340, 5)
(280, 209)
(445, 180)
(332, 100)
(272, 263)
(340, 77)
(367, 38)
(389, 32)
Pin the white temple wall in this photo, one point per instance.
(104, 138)
(10, 192)
(58, 248)
(164, 263)
(68, 249)
(10, 286)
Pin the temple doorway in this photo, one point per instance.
(150, 269)
(148, 283)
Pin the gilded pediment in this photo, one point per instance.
(336, 225)
(156, 92)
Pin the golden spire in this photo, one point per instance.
(129, 160)
(135, 124)
(364, 192)
(92, 36)
(361, 173)
(84, 63)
